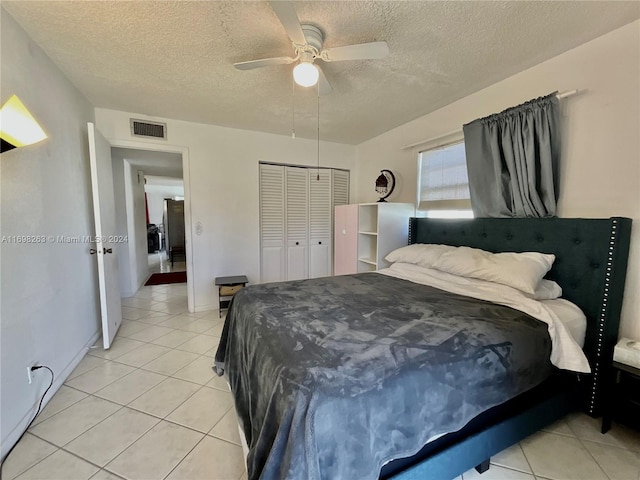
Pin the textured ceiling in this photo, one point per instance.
(175, 59)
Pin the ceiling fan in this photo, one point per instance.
(307, 44)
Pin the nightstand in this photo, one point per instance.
(623, 404)
(227, 288)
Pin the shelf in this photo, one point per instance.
(368, 233)
(368, 260)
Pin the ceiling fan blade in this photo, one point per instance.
(324, 87)
(364, 51)
(264, 62)
(286, 13)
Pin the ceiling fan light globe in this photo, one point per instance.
(305, 74)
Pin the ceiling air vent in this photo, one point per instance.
(142, 128)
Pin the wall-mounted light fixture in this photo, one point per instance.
(17, 126)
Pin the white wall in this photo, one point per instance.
(122, 228)
(600, 175)
(136, 225)
(223, 184)
(49, 291)
(155, 199)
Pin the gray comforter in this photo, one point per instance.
(333, 377)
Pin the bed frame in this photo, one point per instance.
(590, 266)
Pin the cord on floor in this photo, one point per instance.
(35, 367)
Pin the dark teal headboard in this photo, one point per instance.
(590, 266)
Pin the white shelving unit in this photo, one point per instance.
(366, 233)
(382, 227)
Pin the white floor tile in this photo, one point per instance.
(202, 410)
(130, 313)
(560, 457)
(212, 352)
(150, 333)
(102, 443)
(496, 473)
(64, 398)
(588, 428)
(169, 308)
(171, 362)
(199, 345)
(27, 453)
(513, 457)
(561, 427)
(220, 383)
(130, 387)
(212, 459)
(178, 321)
(165, 397)
(154, 455)
(89, 362)
(143, 303)
(63, 427)
(617, 463)
(119, 347)
(129, 327)
(156, 318)
(199, 371)
(104, 475)
(143, 354)
(227, 428)
(99, 377)
(175, 338)
(199, 326)
(60, 466)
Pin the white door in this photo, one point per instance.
(320, 223)
(272, 223)
(297, 218)
(105, 222)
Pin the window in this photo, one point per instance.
(443, 190)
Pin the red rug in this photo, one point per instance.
(164, 278)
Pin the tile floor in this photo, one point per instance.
(159, 263)
(151, 408)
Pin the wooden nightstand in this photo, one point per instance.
(227, 288)
(623, 403)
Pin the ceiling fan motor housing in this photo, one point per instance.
(314, 37)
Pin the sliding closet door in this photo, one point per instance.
(272, 223)
(319, 223)
(296, 225)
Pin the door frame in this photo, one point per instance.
(186, 178)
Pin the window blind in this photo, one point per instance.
(444, 184)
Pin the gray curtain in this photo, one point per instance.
(512, 160)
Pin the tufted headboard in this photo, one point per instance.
(590, 266)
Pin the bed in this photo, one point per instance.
(298, 390)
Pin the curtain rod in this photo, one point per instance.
(566, 94)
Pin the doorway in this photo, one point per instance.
(136, 165)
(165, 229)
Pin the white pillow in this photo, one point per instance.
(547, 290)
(518, 270)
(423, 254)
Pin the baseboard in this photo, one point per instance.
(60, 378)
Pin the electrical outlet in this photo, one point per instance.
(30, 372)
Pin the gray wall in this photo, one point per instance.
(49, 305)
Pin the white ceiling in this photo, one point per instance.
(175, 59)
(159, 164)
